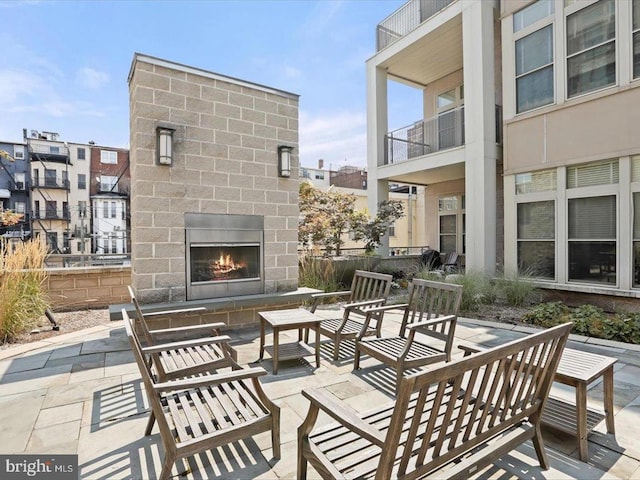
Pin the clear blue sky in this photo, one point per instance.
(64, 64)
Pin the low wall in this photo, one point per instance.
(235, 312)
(89, 287)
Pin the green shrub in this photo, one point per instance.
(547, 314)
(21, 279)
(624, 327)
(588, 320)
(517, 291)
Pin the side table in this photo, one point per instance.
(289, 319)
(578, 369)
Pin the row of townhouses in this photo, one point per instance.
(74, 195)
(528, 143)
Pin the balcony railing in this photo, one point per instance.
(432, 135)
(49, 150)
(406, 19)
(51, 214)
(51, 182)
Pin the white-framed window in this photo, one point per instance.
(636, 38)
(82, 208)
(105, 209)
(319, 175)
(536, 223)
(451, 224)
(82, 181)
(591, 48)
(20, 207)
(108, 183)
(18, 152)
(113, 209)
(533, 35)
(391, 230)
(592, 208)
(20, 179)
(82, 155)
(114, 244)
(108, 156)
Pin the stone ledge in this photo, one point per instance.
(219, 304)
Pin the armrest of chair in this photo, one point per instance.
(344, 414)
(432, 322)
(188, 329)
(330, 294)
(365, 303)
(163, 347)
(209, 380)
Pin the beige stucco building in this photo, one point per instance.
(528, 146)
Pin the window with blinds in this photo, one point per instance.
(543, 181)
(592, 239)
(536, 239)
(606, 173)
(635, 168)
(636, 239)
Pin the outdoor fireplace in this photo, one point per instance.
(224, 255)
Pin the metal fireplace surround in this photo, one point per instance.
(225, 255)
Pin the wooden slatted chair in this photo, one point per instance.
(447, 422)
(201, 413)
(187, 357)
(432, 310)
(368, 289)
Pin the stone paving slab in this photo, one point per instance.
(84, 395)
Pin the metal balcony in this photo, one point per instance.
(406, 19)
(51, 182)
(431, 135)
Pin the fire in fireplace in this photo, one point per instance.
(224, 255)
(215, 263)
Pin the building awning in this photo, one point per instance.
(4, 193)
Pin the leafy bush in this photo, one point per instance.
(22, 275)
(547, 314)
(587, 320)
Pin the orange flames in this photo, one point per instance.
(225, 265)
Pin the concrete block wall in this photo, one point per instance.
(227, 133)
(91, 287)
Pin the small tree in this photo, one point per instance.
(326, 216)
(372, 232)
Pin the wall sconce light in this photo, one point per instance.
(165, 146)
(284, 160)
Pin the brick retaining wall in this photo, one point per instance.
(90, 287)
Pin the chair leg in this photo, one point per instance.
(336, 349)
(356, 358)
(538, 444)
(150, 422)
(399, 373)
(302, 463)
(275, 433)
(167, 465)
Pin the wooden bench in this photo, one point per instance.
(207, 411)
(432, 309)
(448, 422)
(368, 289)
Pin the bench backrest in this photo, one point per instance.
(429, 300)
(369, 286)
(460, 405)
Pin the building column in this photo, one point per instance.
(480, 135)
(377, 127)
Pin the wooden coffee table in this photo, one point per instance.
(289, 319)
